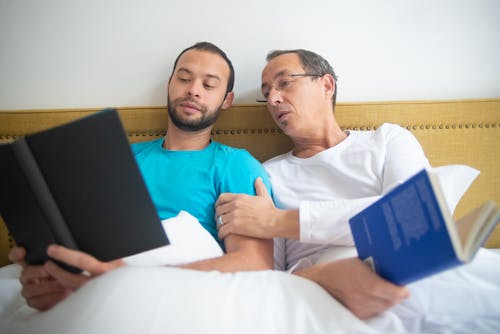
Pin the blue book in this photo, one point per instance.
(409, 234)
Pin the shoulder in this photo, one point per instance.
(390, 129)
(238, 169)
(231, 153)
(388, 132)
(397, 138)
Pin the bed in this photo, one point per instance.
(152, 299)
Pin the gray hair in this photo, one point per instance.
(312, 63)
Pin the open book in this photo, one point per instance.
(78, 185)
(409, 233)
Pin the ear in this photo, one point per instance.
(329, 85)
(228, 101)
(168, 85)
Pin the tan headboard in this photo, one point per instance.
(451, 132)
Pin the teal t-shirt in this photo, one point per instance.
(193, 180)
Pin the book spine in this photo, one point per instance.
(42, 193)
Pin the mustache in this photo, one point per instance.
(190, 101)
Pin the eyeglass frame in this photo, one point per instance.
(300, 75)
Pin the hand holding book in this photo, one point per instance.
(409, 233)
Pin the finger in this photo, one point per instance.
(76, 259)
(397, 295)
(389, 292)
(33, 274)
(47, 301)
(224, 207)
(260, 188)
(115, 264)
(42, 288)
(224, 231)
(224, 198)
(65, 278)
(17, 255)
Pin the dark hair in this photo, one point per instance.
(207, 46)
(312, 63)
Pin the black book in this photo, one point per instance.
(78, 185)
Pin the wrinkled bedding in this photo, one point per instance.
(166, 299)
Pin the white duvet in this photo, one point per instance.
(148, 297)
(172, 300)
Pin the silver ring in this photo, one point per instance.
(219, 221)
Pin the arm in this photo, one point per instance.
(352, 283)
(243, 254)
(43, 286)
(257, 216)
(401, 156)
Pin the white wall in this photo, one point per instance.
(97, 53)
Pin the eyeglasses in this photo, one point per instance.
(283, 82)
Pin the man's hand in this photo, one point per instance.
(253, 216)
(39, 288)
(89, 264)
(352, 283)
(43, 286)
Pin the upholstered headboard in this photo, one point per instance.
(451, 132)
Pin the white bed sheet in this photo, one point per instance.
(159, 300)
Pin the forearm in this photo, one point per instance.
(355, 285)
(286, 224)
(243, 254)
(314, 273)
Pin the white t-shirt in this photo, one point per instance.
(333, 185)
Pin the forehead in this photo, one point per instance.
(203, 63)
(284, 64)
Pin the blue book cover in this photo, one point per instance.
(404, 234)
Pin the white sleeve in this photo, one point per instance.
(404, 156)
(328, 221)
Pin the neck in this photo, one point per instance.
(306, 147)
(181, 140)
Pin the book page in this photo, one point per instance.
(466, 224)
(454, 181)
(469, 227)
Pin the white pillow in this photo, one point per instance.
(189, 242)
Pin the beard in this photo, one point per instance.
(207, 118)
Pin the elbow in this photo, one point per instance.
(265, 256)
(251, 254)
(260, 258)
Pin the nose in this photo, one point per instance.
(274, 97)
(194, 89)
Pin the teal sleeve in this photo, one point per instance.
(241, 172)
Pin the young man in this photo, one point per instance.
(185, 170)
(328, 177)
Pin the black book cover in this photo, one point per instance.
(89, 170)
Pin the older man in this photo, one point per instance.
(328, 177)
